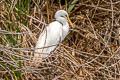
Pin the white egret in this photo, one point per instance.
(52, 35)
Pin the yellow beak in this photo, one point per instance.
(70, 22)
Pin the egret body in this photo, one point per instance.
(52, 35)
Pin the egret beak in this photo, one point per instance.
(70, 22)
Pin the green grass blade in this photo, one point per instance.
(71, 6)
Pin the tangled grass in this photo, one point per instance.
(91, 51)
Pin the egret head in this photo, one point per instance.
(63, 17)
(61, 14)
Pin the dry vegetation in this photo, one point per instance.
(91, 51)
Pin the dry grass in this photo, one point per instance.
(91, 51)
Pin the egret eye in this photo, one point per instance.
(65, 16)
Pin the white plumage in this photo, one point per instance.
(54, 33)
